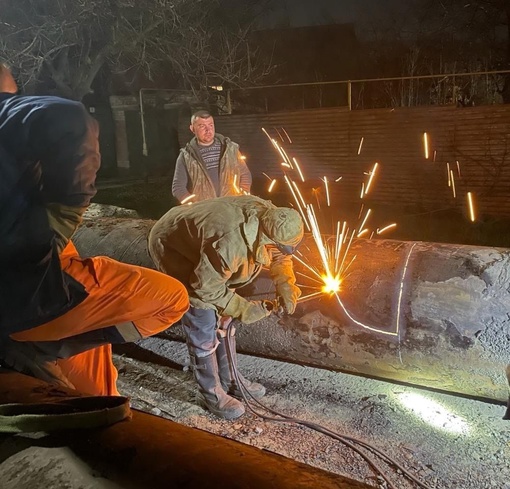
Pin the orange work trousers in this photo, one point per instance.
(118, 293)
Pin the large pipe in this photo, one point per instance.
(428, 314)
(148, 451)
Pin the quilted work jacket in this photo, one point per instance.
(233, 172)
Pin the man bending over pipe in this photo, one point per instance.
(60, 313)
(214, 247)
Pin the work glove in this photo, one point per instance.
(64, 220)
(256, 311)
(247, 311)
(288, 295)
(282, 273)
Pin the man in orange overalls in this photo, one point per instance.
(60, 313)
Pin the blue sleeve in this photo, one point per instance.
(62, 137)
(180, 181)
(66, 138)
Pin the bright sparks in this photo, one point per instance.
(471, 207)
(286, 134)
(327, 272)
(331, 284)
(426, 145)
(236, 187)
(360, 145)
(453, 184)
(278, 132)
(370, 179)
(367, 215)
(298, 169)
(327, 191)
(271, 186)
(188, 199)
(387, 228)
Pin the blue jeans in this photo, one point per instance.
(200, 329)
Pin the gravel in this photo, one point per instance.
(446, 441)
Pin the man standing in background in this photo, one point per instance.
(210, 165)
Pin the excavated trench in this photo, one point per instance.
(431, 396)
(412, 361)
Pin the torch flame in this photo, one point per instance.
(331, 284)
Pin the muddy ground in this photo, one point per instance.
(447, 441)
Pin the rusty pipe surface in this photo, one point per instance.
(146, 451)
(428, 314)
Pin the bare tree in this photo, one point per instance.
(480, 35)
(440, 37)
(69, 41)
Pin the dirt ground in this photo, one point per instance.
(446, 441)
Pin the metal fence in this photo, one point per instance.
(460, 89)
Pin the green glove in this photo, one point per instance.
(256, 311)
(288, 294)
(282, 273)
(247, 311)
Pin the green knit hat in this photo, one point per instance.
(283, 226)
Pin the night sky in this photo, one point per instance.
(294, 13)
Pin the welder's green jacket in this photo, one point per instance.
(215, 246)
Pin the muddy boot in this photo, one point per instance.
(210, 394)
(226, 372)
(31, 358)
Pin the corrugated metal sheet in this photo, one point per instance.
(326, 142)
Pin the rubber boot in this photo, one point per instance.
(226, 369)
(30, 358)
(210, 394)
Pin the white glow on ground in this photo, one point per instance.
(434, 413)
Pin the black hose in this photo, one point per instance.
(347, 440)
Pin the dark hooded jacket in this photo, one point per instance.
(49, 158)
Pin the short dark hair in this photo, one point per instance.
(200, 114)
